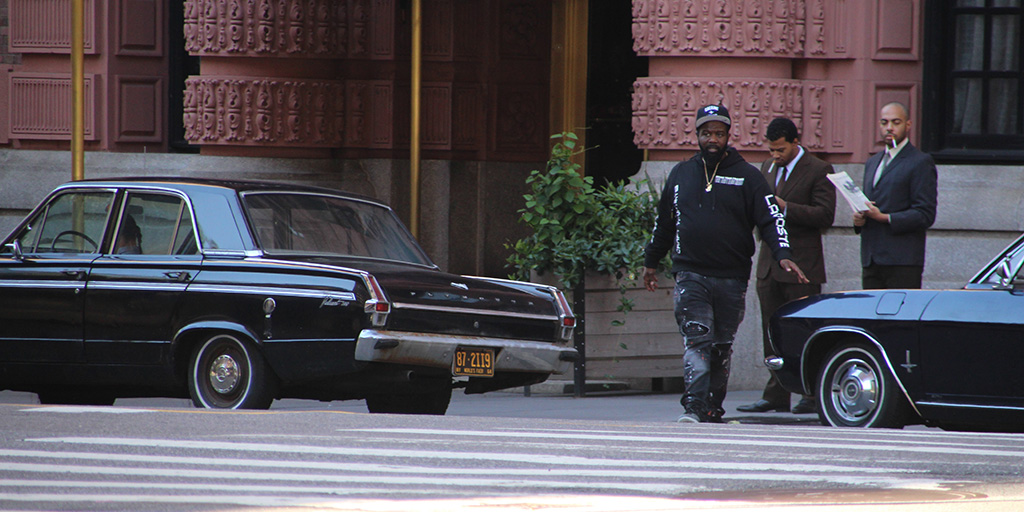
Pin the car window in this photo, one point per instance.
(73, 222)
(155, 224)
(1009, 264)
(218, 229)
(321, 224)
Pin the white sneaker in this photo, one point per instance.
(688, 417)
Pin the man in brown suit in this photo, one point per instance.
(808, 199)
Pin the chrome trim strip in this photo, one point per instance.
(269, 290)
(471, 311)
(144, 286)
(973, 406)
(310, 340)
(140, 342)
(61, 340)
(42, 284)
(868, 337)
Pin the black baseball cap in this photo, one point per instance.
(713, 113)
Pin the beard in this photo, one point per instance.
(712, 158)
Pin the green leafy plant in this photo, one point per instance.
(578, 227)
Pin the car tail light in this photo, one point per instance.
(568, 321)
(377, 306)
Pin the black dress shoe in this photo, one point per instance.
(805, 406)
(763, 406)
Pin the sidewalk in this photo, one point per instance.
(549, 402)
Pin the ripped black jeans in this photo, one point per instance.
(709, 311)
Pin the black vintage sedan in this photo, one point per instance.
(888, 358)
(238, 293)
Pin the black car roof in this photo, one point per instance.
(235, 185)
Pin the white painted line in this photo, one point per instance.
(79, 409)
(526, 458)
(539, 479)
(226, 487)
(751, 471)
(759, 441)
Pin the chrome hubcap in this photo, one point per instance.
(854, 391)
(224, 374)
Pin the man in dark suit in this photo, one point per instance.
(808, 199)
(901, 183)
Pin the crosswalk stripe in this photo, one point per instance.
(526, 458)
(759, 440)
(336, 466)
(537, 480)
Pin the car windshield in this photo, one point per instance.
(289, 223)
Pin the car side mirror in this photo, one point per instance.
(15, 248)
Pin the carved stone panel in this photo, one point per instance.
(290, 28)
(719, 27)
(664, 110)
(250, 111)
(743, 28)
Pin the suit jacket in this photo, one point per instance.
(908, 192)
(810, 208)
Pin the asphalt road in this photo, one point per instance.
(501, 451)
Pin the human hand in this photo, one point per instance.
(781, 202)
(875, 214)
(859, 219)
(791, 266)
(650, 279)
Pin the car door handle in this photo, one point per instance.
(178, 276)
(74, 274)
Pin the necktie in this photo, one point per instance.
(781, 178)
(881, 167)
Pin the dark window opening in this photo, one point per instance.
(973, 83)
(612, 68)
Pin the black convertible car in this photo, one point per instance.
(238, 293)
(888, 358)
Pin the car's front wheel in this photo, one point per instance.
(228, 373)
(856, 390)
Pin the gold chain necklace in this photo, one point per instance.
(710, 181)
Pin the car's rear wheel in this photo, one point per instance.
(432, 402)
(856, 390)
(228, 373)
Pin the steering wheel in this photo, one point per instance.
(73, 233)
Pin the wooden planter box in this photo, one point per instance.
(647, 345)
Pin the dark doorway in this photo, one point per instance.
(182, 65)
(612, 67)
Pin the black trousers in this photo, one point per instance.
(881, 277)
(772, 294)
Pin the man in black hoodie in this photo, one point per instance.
(708, 210)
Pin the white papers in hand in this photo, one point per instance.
(850, 191)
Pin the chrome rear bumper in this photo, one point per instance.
(437, 351)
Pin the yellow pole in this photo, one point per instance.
(414, 133)
(77, 90)
(569, 70)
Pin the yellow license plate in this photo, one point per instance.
(473, 362)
